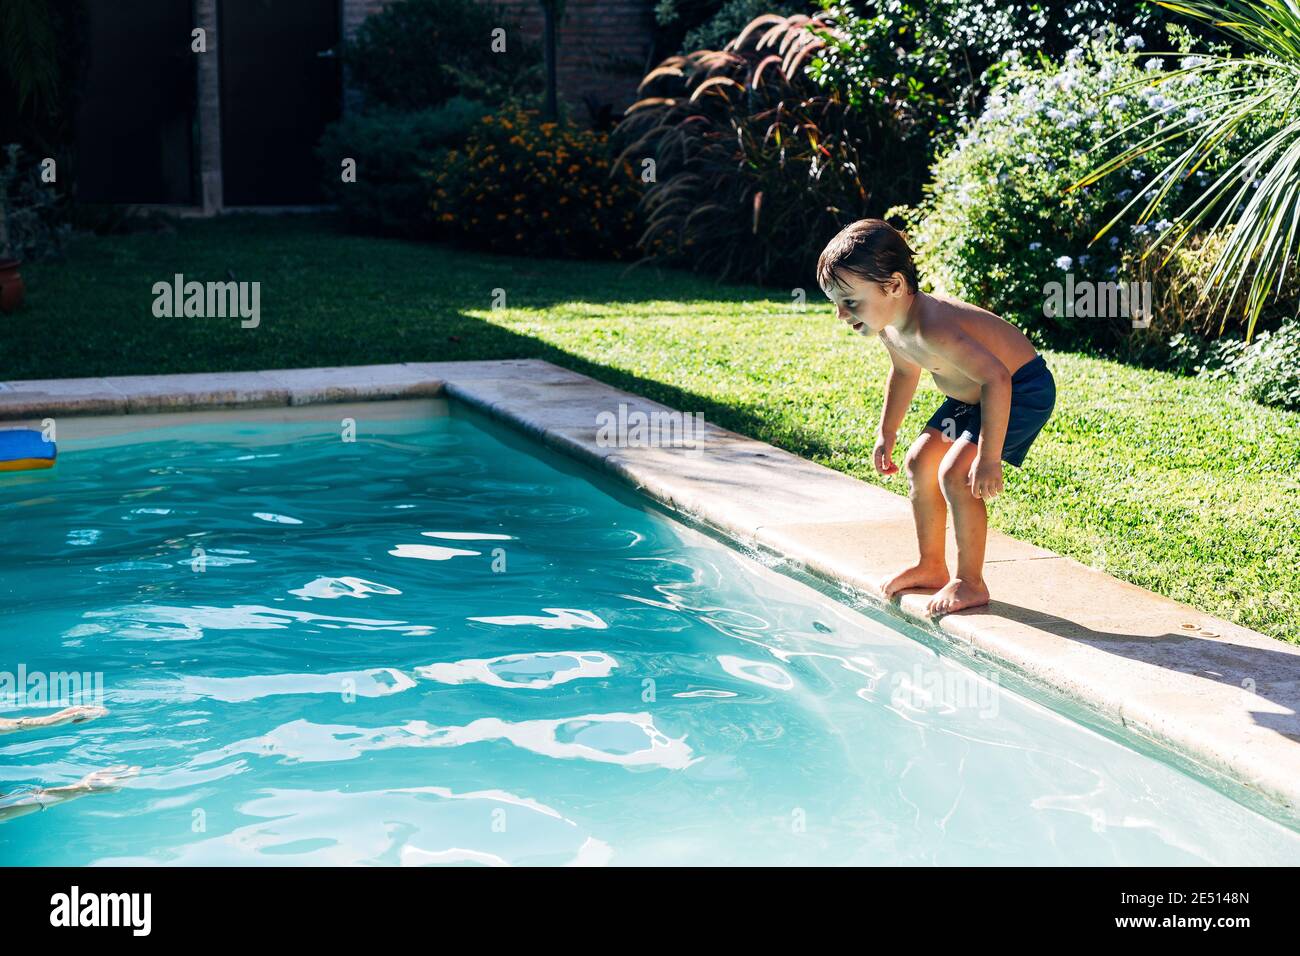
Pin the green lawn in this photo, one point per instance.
(1171, 483)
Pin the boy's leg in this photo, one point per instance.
(929, 512)
(970, 523)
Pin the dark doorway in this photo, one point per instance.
(280, 86)
(135, 122)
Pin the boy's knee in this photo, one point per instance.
(953, 481)
(921, 464)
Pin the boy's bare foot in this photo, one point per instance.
(919, 575)
(956, 595)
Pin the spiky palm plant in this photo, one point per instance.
(1254, 201)
(754, 166)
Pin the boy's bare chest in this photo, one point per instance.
(914, 350)
(947, 377)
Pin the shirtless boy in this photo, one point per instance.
(1000, 394)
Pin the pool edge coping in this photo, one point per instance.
(813, 517)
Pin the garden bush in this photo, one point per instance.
(1000, 220)
(33, 215)
(392, 149)
(1184, 305)
(528, 187)
(1268, 369)
(754, 167)
(732, 18)
(929, 60)
(418, 54)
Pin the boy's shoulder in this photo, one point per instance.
(948, 314)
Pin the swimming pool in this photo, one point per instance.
(441, 643)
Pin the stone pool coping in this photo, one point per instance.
(1213, 693)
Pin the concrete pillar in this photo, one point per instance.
(209, 110)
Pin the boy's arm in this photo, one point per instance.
(980, 365)
(900, 388)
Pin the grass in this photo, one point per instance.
(1171, 483)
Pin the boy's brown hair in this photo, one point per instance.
(869, 248)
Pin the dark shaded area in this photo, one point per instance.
(135, 122)
(280, 87)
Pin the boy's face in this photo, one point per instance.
(867, 306)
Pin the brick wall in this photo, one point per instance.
(602, 45)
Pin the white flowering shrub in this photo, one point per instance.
(1000, 219)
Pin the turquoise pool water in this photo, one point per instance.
(441, 644)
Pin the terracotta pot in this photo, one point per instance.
(11, 285)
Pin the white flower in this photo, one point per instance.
(1074, 56)
(1152, 64)
(1013, 56)
(1191, 62)
(1096, 126)
(1123, 195)
(1134, 42)
(1071, 121)
(1115, 103)
(1055, 115)
(1033, 246)
(1064, 262)
(1195, 115)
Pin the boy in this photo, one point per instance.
(1000, 394)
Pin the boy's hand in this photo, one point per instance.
(882, 456)
(985, 478)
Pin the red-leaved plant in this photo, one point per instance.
(755, 167)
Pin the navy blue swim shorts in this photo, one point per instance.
(1033, 395)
